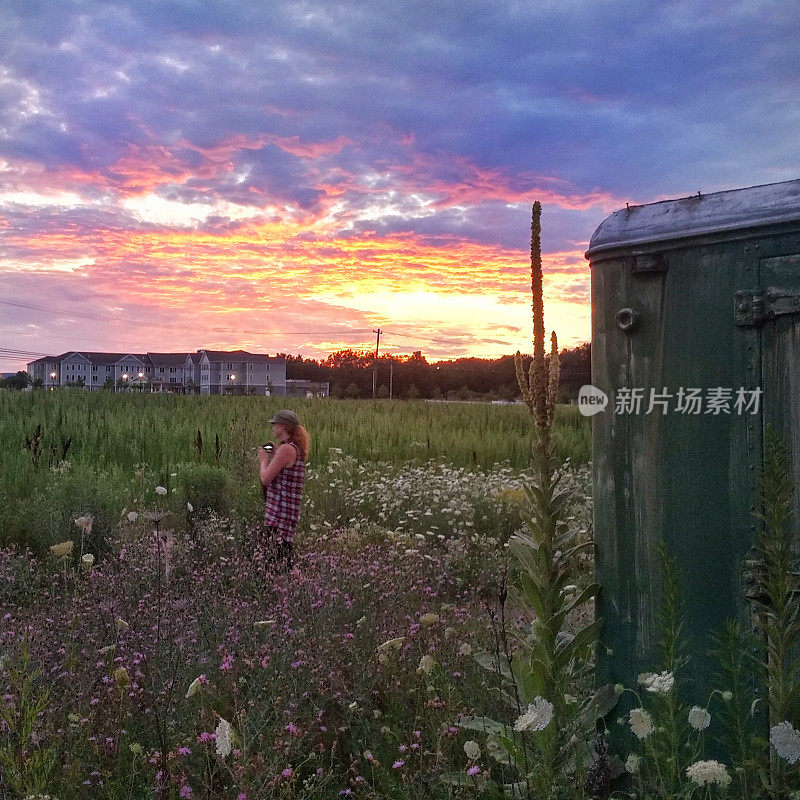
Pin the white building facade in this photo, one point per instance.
(202, 372)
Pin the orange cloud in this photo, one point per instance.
(390, 279)
(293, 145)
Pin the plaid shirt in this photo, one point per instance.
(282, 502)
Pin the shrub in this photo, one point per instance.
(206, 487)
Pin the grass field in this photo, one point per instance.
(73, 452)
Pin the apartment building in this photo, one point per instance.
(202, 372)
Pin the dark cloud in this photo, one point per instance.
(632, 97)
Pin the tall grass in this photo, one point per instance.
(119, 446)
(127, 429)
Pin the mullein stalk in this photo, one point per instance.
(548, 658)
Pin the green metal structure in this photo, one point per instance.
(701, 293)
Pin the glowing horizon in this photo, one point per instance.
(289, 177)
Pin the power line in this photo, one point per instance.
(5, 351)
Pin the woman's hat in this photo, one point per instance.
(285, 417)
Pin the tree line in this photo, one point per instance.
(350, 374)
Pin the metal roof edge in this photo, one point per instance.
(698, 215)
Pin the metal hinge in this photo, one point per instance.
(754, 307)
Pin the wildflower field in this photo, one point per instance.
(436, 638)
(147, 650)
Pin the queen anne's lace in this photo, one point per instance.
(641, 723)
(660, 683)
(708, 773)
(472, 750)
(223, 733)
(699, 718)
(537, 717)
(786, 741)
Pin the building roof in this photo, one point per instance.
(700, 214)
(234, 355)
(157, 359)
(168, 359)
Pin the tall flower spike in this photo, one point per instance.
(538, 388)
(554, 374)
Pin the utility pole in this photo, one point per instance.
(375, 362)
(391, 376)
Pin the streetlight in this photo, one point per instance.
(52, 380)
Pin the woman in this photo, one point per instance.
(283, 474)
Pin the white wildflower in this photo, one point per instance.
(132, 516)
(426, 664)
(708, 773)
(786, 741)
(632, 763)
(699, 718)
(189, 507)
(194, 688)
(537, 717)
(85, 523)
(465, 649)
(727, 696)
(640, 722)
(473, 750)
(62, 549)
(88, 560)
(661, 683)
(391, 644)
(223, 733)
(161, 490)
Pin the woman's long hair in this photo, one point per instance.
(299, 435)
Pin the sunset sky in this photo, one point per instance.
(289, 176)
